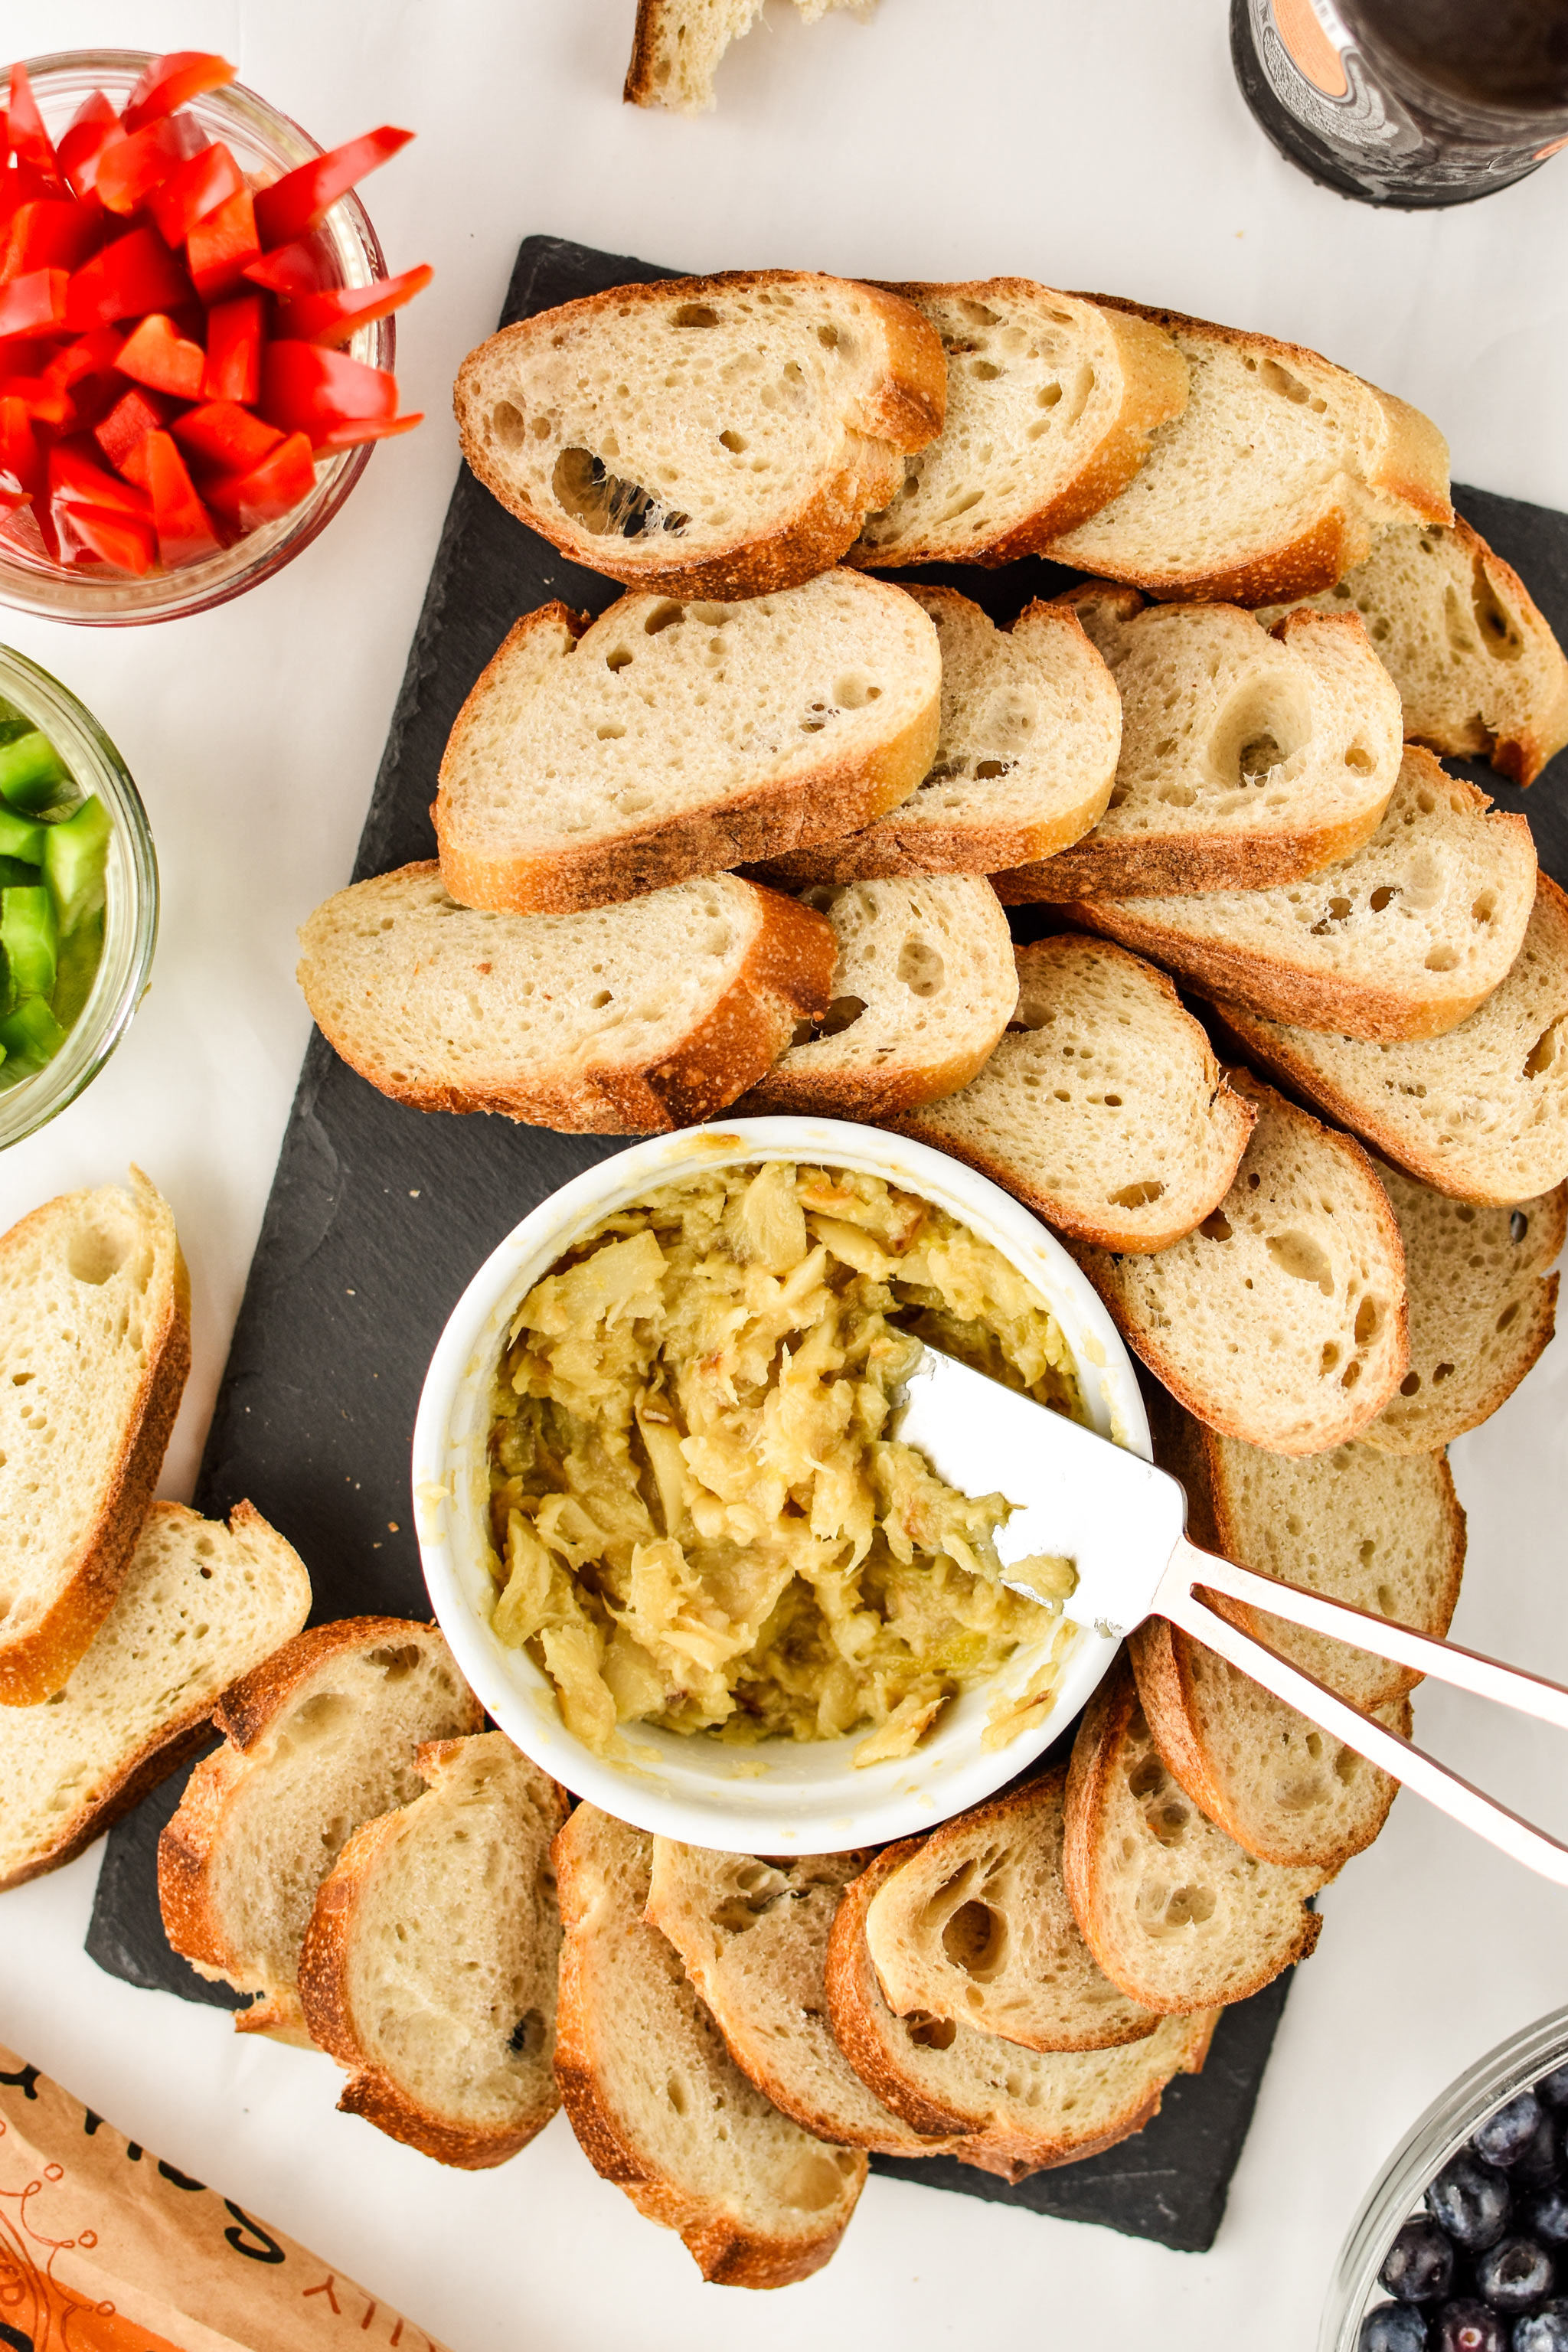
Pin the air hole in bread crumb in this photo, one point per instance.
(1483, 907)
(1518, 1226)
(928, 2033)
(609, 730)
(1409, 1384)
(733, 441)
(526, 2039)
(812, 2183)
(975, 1940)
(920, 968)
(1138, 1196)
(676, 2092)
(854, 690)
(1441, 958)
(1330, 1358)
(664, 616)
(94, 1255)
(841, 1014)
(1304, 1259)
(694, 314)
(1384, 895)
(1351, 1374)
(507, 424)
(1217, 1226)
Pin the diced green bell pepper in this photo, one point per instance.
(32, 772)
(30, 1036)
(80, 950)
(21, 836)
(30, 937)
(75, 853)
(17, 871)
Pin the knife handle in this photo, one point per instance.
(1180, 1599)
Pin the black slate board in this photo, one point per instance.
(379, 1215)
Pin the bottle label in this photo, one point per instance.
(1308, 48)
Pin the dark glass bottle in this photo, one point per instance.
(1407, 102)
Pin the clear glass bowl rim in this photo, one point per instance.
(123, 600)
(130, 928)
(1447, 2124)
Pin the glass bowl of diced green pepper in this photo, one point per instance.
(78, 897)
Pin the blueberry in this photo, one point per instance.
(1468, 2327)
(1554, 2087)
(1515, 2275)
(1420, 2265)
(1545, 2330)
(1541, 2160)
(1507, 2136)
(1470, 2200)
(1546, 2217)
(1394, 2328)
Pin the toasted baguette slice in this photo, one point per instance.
(1483, 1112)
(974, 1925)
(1018, 2111)
(656, 2102)
(924, 986)
(1403, 939)
(1478, 671)
(752, 1938)
(95, 1310)
(1280, 1319)
(430, 1963)
(669, 740)
(1030, 725)
(1246, 759)
(1103, 1109)
(1174, 1910)
(1482, 1308)
(705, 437)
(1384, 1533)
(1282, 1789)
(1273, 482)
(1051, 399)
(317, 1739)
(626, 1021)
(201, 1606)
(678, 46)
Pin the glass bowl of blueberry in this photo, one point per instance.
(1462, 2245)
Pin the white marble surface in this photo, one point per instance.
(1096, 145)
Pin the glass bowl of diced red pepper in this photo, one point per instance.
(196, 338)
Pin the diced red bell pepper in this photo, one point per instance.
(129, 172)
(45, 402)
(221, 248)
(369, 428)
(307, 389)
(21, 459)
(52, 235)
(193, 190)
(301, 199)
(226, 437)
(113, 538)
(233, 351)
(91, 127)
(92, 354)
(156, 355)
(134, 415)
(136, 274)
(304, 267)
(332, 317)
(30, 142)
(272, 488)
(75, 481)
(183, 524)
(33, 305)
(173, 81)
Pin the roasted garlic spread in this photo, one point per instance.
(698, 1520)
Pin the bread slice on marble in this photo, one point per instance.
(1285, 1791)
(95, 1332)
(656, 2102)
(1482, 1308)
(201, 1604)
(1016, 2110)
(924, 986)
(974, 1925)
(1403, 939)
(1481, 1112)
(1103, 1108)
(705, 437)
(1274, 481)
(1174, 1910)
(1051, 399)
(430, 1963)
(626, 1020)
(1248, 759)
(678, 46)
(318, 1739)
(753, 1935)
(1479, 673)
(1381, 1531)
(664, 740)
(1024, 757)
(1280, 1319)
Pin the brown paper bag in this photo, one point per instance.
(104, 2249)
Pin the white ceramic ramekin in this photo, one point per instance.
(779, 1796)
